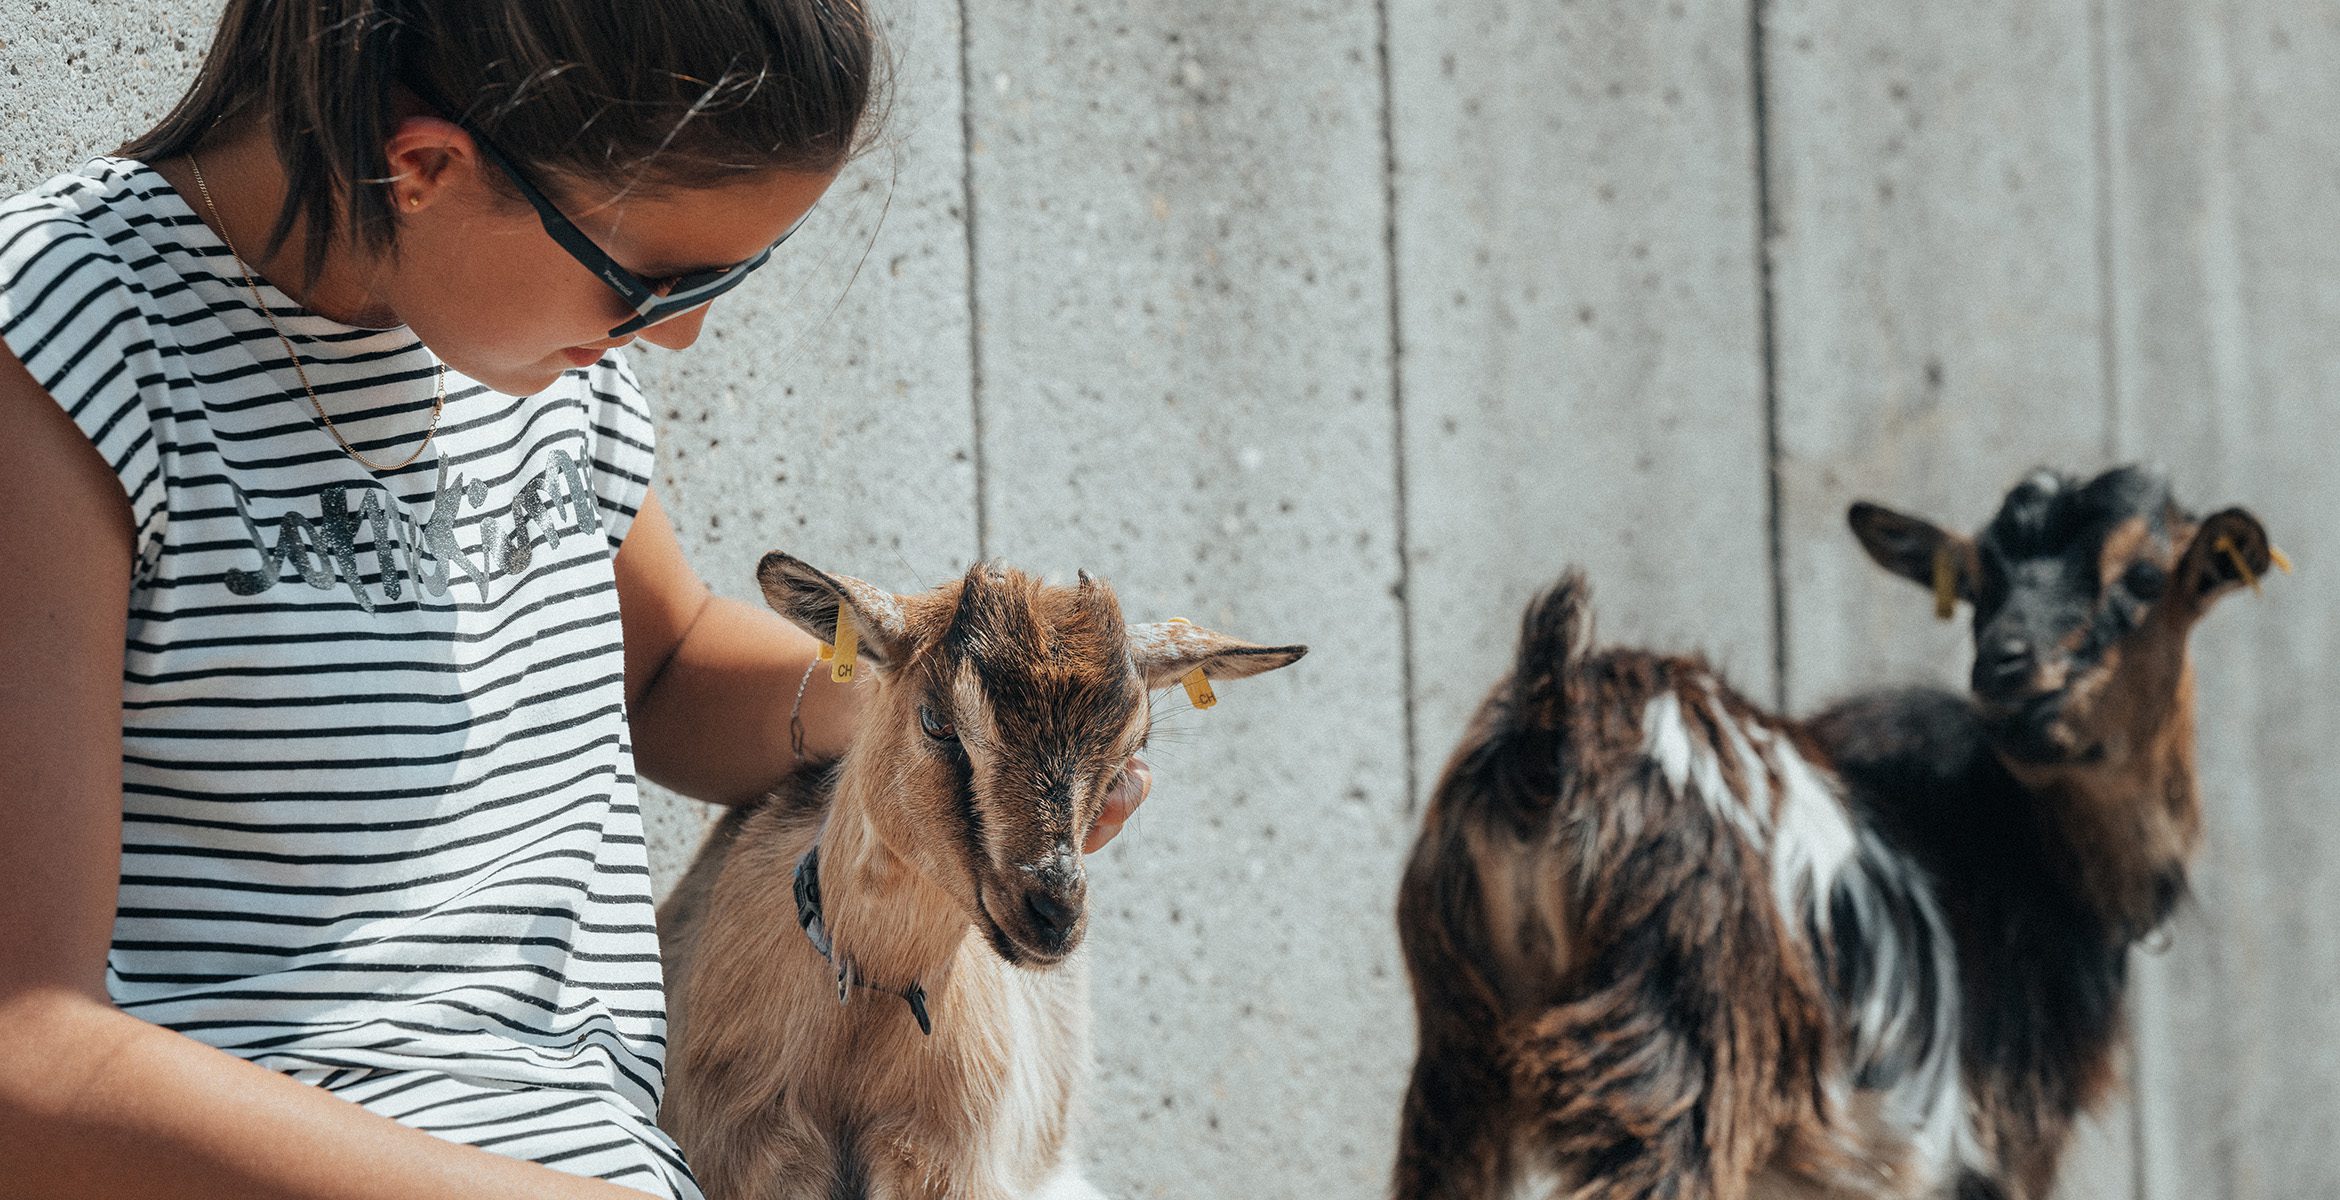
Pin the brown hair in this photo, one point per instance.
(651, 97)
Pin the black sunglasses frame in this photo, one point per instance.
(652, 303)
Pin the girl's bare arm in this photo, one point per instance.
(711, 681)
(94, 1102)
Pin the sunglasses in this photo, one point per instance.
(652, 302)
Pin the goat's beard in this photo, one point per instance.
(2040, 731)
(1001, 944)
(1015, 953)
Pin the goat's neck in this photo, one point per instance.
(2131, 821)
(885, 918)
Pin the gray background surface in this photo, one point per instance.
(1352, 322)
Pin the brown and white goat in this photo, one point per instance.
(820, 933)
(1665, 943)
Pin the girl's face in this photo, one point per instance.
(478, 279)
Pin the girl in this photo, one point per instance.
(337, 613)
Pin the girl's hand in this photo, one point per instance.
(1129, 791)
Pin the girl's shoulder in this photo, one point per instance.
(105, 200)
(83, 290)
(78, 243)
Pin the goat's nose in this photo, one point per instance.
(2003, 663)
(1052, 918)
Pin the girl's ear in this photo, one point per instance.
(427, 154)
(1912, 547)
(1167, 650)
(811, 599)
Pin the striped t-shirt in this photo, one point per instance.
(380, 824)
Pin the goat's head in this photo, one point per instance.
(1003, 710)
(2083, 595)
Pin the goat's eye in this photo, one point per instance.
(2145, 580)
(935, 727)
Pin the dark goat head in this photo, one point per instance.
(2083, 594)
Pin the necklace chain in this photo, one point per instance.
(438, 405)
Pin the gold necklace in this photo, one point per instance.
(438, 406)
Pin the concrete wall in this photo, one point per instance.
(1352, 321)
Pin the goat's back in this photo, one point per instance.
(1615, 924)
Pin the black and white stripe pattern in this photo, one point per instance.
(581, 1133)
(380, 828)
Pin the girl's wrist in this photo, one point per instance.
(823, 715)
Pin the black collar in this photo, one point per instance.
(808, 915)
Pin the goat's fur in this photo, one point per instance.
(1667, 944)
(999, 713)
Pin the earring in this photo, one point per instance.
(414, 202)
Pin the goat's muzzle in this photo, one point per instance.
(1052, 918)
(1047, 919)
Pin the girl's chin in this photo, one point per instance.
(527, 379)
(523, 380)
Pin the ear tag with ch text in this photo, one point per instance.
(844, 646)
(1945, 583)
(1198, 685)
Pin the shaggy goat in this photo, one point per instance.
(1665, 943)
(821, 935)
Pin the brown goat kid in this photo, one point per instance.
(820, 934)
(1667, 944)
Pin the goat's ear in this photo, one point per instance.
(2229, 549)
(1166, 651)
(1912, 548)
(810, 598)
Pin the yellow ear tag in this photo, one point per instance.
(2226, 546)
(1198, 689)
(827, 652)
(1198, 685)
(846, 642)
(1945, 583)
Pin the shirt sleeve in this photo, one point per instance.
(624, 445)
(70, 312)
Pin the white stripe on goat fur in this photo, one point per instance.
(1797, 820)
(1814, 835)
(1690, 768)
